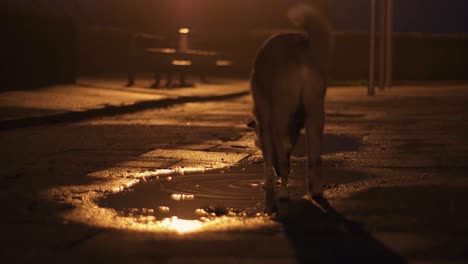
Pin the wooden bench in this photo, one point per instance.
(182, 60)
(170, 61)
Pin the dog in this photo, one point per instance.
(288, 86)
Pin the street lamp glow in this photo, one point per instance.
(180, 226)
(181, 62)
(223, 63)
(184, 30)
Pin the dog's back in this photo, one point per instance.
(311, 48)
(288, 86)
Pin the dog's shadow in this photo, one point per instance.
(320, 234)
(331, 144)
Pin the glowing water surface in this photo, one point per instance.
(194, 202)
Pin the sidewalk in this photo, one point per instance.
(96, 97)
(95, 191)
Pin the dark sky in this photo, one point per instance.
(444, 16)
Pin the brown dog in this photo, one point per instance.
(288, 85)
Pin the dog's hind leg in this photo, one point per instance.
(281, 160)
(314, 133)
(282, 170)
(265, 138)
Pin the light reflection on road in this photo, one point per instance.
(88, 209)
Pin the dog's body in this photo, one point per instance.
(288, 86)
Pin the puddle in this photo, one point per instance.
(174, 201)
(228, 198)
(196, 196)
(171, 201)
(192, 198)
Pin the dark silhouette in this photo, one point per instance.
(321, 235)
(39, 51)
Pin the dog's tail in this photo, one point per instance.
(314, 20)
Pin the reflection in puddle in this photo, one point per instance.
(191, 197)
(163, 209)
(194, 197)
(169, 201)
(174, 201)
(196, 202)
(182, 226)
(182, 197)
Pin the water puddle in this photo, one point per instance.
(194, 198)
(220, 200)
(204, 197)
(191, 197)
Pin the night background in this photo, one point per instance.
(431, 16)
(128, 133)
(429, 35)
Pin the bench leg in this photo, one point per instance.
(131, 78)
(203, 78)
(169, 79)
(157, 80)
(182, 79)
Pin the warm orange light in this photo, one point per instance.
(168, 50)
(181, 62)
(223, 63)
(87, 212)
(184, 30)
(180, 226)
(182, 197)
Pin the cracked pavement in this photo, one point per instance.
(395, 164)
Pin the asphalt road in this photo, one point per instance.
(181, 185)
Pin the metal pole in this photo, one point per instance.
(389, 44)
(131, 60)
(372, 35)
(382, 43)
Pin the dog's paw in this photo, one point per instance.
(282, 205)
(270, 205)
(283, 194)
(315, 190)
(270, 208)
(252, 124)
(317, 195)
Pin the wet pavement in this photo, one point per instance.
(181, 184)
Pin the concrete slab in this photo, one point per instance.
(395, 165)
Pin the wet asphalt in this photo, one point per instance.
(181, 184)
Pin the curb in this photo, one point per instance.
(76, 116)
